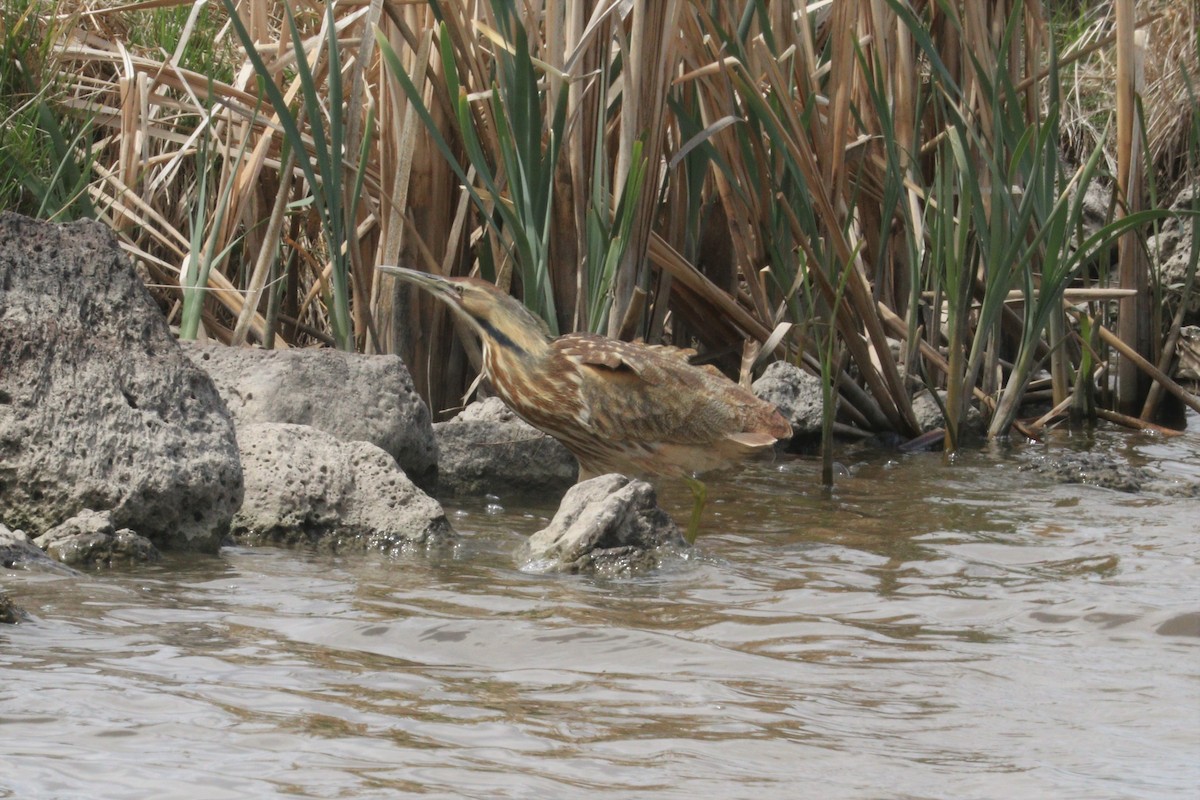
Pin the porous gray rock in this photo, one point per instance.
(929, 415)
(90, 539)
(1188, 365)
(609, 524)
(488, 449)
(99, 409)
(1108, 472)
(354, 397)
(797, 395)
(17, 551)
(304, 486)
(1173, 246)
(1097, 205)
(1093, 469)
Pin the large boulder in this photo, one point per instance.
(797, 395)
(305, 487)
(609, 524)
(99, 409)
(487, 449)
(356, 398)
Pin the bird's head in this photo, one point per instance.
(499, 319)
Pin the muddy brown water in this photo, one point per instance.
(926, 631)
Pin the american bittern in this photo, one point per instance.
(617, 406)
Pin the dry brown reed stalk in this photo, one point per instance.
(1184, 396)
(153, 113)
(1136, 423)
(1133, 270)
(1172, 27)
(159, 118)
(790, 154)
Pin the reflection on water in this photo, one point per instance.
(924, 631)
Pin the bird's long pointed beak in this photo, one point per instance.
(439, 287)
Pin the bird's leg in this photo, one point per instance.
(700, 497)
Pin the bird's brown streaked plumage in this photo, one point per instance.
(618, 406)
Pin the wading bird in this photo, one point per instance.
(617, 406)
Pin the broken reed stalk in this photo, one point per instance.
(1134, 422)
(1154, 396)
(1051, 415)
(1168, 354)
(1111, 339)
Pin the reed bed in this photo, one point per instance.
(887, 192)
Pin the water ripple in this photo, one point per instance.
(923, 631)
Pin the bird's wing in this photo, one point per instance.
(591, 350)
(632, 392)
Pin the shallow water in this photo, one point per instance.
(924, 632)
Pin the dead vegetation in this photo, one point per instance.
(869, 188)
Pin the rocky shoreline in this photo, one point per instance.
(117, 441)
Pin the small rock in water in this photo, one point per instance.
(18, 552)
(91, 539)
(1107, 472)
(610, 524)
(1093, 469)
